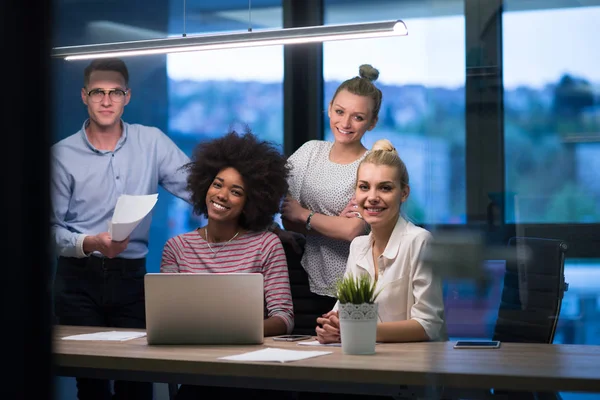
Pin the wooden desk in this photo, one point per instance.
(394, 368)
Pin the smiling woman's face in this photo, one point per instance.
(379, 194)
(350, 116)
(226, 196)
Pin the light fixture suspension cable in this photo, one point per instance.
(249, 15)
(184, 34)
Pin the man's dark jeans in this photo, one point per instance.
(98, 291)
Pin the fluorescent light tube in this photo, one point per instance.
(233, 40)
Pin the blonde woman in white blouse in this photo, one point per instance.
(411, 306)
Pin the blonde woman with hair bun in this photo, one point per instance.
(319, 204)
(411, 305)
(383, 145)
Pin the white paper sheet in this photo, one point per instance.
(316, 343)
(276, 355)
(129, 212)
(118, 336)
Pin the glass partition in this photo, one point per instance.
(505, 146)
(212, 92)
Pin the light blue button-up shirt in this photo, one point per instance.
(86, 183)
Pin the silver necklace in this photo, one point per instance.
(220, 248)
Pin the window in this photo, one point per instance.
(189, 96)
(552, 114)
(552, 142)
(422, 78)
(212, 92)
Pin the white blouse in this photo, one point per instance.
(409, 288)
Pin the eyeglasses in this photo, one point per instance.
(116, 95)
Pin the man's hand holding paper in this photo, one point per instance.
(129, 212)
(108, 247)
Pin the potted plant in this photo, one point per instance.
(357, 313)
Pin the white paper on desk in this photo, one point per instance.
(275, 355)
(316, 343)
(129, 212)
(118, 336)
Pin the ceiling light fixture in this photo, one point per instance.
(233, 40)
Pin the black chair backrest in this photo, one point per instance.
(533, 290)
(306, 309)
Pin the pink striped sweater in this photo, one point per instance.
(256, 252)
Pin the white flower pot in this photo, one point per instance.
(358, 328)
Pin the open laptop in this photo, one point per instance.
(204, 308)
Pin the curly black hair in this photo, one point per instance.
(262, 167)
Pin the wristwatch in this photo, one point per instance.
(308, 227)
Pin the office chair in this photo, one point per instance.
(305, 308)
(530, 305)
(533, 291)
(173, 388)
(532, 296)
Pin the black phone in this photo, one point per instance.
(477, 344)
(291, 338)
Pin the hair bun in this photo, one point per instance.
(368, 72)
(383, 145)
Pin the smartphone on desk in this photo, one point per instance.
(477, 344)
(291, 338)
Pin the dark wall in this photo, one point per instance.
(25, 32)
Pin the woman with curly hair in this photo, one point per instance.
(237, 182)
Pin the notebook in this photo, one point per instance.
(204, 308)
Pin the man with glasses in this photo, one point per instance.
(100, 282)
